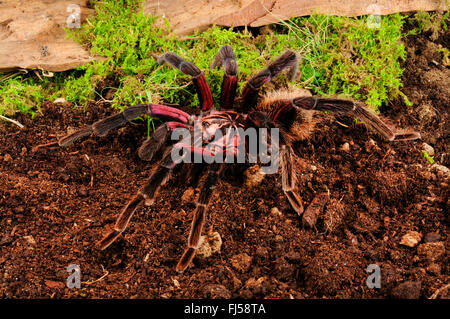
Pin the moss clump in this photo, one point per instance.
(345, 56)
(429, 22)
(340, 56)
(20, 96)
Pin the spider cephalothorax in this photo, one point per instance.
(281, 110)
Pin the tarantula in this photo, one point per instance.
(281, 111)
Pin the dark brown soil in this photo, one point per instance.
(55, 204)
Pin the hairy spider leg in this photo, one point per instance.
(147, 193)
(158, 139)
(189, 68)
(288, 60)
(199, 216)
(288, 178)
(102, 127)
(226, 58)
(357, 109)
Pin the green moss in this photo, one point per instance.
(344, 56)
(425, 21)
(340, 56)
(17, 95)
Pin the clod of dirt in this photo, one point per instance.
(254, 288)
(262, 252)
(366, 224)
(432, 237)
(210, 244)
(329, 271)
(275, 211)
(428, 148)
(411, 239)
(253, 176)
(118, 167)
(7, 158)
(426, 113)
(434, 269)
(441, 170)
(30, 240)
(407, 290)
(216, 292)
(54, 284)
(334, 215)
(431, 251)
(241, 262)
(188, 195)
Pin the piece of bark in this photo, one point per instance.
(314, 209)
(190, 16)
(32, 35)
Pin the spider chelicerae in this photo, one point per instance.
(289, 111)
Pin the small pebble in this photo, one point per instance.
(30, 239)
(345, 147)
(215, 291)
(411, 239)
(275, 211)
(441, 170)
(60, 100)
(428, 148)
(54, 284)
(241, 262)
(253, 176)
(7, 158)
(188, 195)
(431, 251)
(210, 244)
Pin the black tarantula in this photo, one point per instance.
(281, 110)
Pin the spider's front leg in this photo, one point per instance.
(102, 127)
(357, 109)
(147, 193)
(189, 68)
(288, 60)
(226, 58)
(199, 216)
(158, 139)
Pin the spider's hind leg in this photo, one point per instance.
(357, 109)
(147, 193)
(288, 178)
